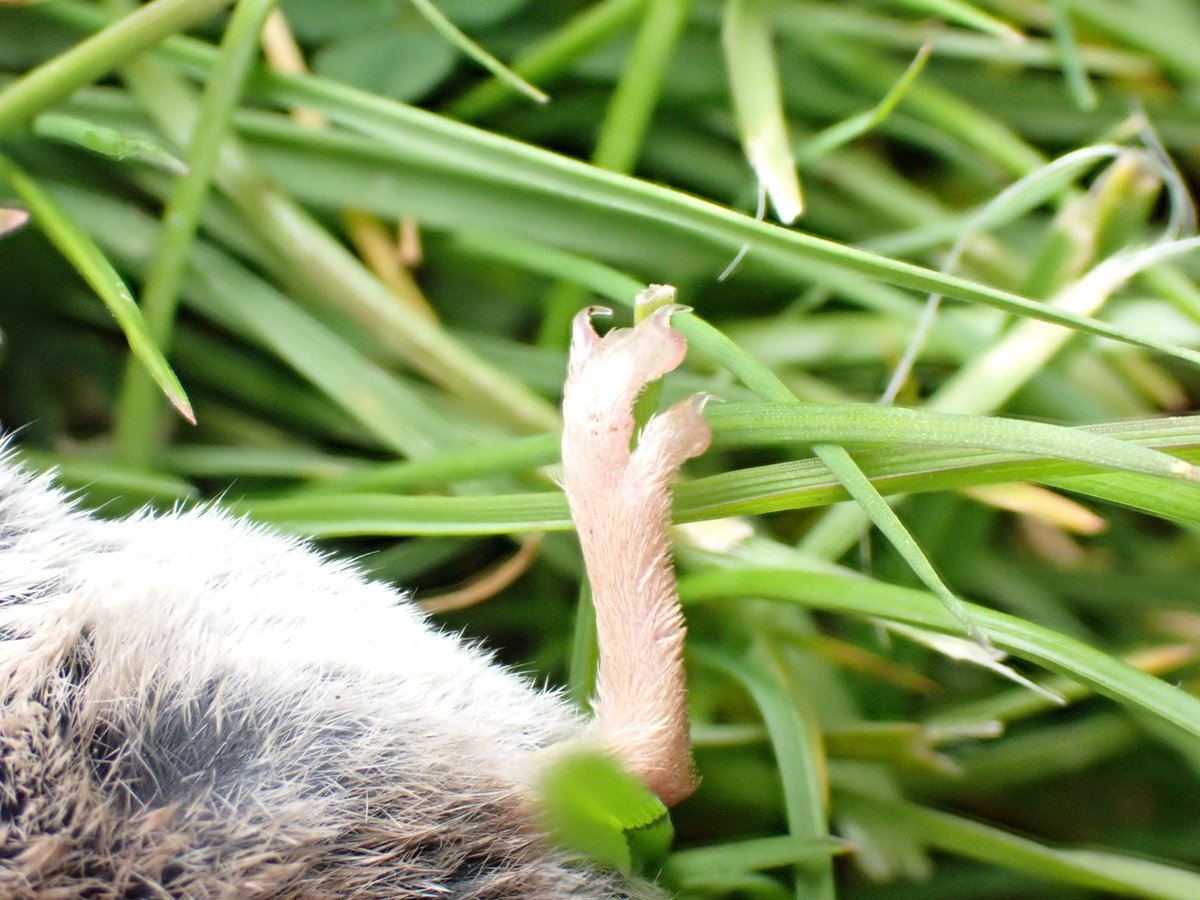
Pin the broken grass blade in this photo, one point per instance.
(93, 266)
(748, 41)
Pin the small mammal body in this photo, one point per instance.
(192, 707)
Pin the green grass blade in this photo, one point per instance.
(92, 265)
(589, 29)
(387, 514)
(451, 33)
(859, 487)
(137, 419)
(107, 142)
(434, 167)
(703, 863)
(1074, 70)
(800, 759)
(808, 483)
(963, 13)
(449, 466)
(866, 597)
(632, 104)
(116, 489)
(1122, 875)
(757, 424)
(99, 54)
(828, 140)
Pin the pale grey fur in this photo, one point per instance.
(195, 707)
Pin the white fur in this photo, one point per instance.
(192, 706)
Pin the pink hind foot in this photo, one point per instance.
(620, 502)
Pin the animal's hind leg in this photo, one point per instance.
(620, 502)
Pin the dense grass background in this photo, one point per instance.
(1025, 162)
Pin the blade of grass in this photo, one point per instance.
(114, 488)
(547, 57)
(804, 484)
(106, 141)
(98, 55)
(137, 420)
(867, 597)
(748, 41)
(828, 140)
(950, 115)
(632, 104)
(92, 265)
(451, 33)
(449, 466)
(866, 423)
(701, 864)
(1074, 70)
(387, 514)
(796, 745)
(234, 297)
(228, 462)
(964, 14)
(1122, 875)
(622, 133)
(425, 150)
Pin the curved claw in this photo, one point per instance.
(584, 339)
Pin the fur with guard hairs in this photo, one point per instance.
(192, 706)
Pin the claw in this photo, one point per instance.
(621, 504)
(584, 339)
